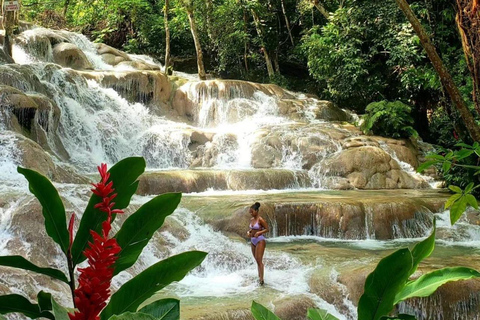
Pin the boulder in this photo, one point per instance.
(370, 167)
(138, 65)
(148, 87)
(111, 55)
(32, 156)
(5, 58)
(351, 215)
(69, 55)
(326, 110)
(21, 107)
(202, 180)
(23, 78)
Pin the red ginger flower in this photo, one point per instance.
(94, 281)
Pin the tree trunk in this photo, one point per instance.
(468, 23)
(445, 77)
(275, 61)
(198, 46)
(321, 8)
(287, 23)
(167, 67)
(268, 61)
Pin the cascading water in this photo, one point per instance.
(281, 140)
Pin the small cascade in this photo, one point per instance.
(406, 167)
(352, 221)
(228, 143)
(465, 232)
(460, 305)
(10, 158)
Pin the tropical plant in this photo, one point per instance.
(107, 256)
(463, 193)
(390, 284)
(390, 119)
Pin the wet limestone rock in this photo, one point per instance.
(5, 58)
(326, 110)
(111, 55)
(138, 65)
(148, 87)
(202, 180)
(69, 55)
(22, 77)
(19, 108)
(31, 155)
(370, 167)
(293, 308)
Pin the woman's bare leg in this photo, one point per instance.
(260, 250)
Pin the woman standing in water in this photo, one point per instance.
(258, 226)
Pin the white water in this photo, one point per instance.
(98, 125)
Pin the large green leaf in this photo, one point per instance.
(138, 229)
(259, 312)
(44, 301)
(124, 175)
(133, 316)
(428, 283)
(471, 201)
(59, 311)
(320, 314)
(383, 283)
(144, 285)
(22, 263)
(451, 200)
(457, 209)
(455, 189)
(19, 304)
(165, 309)
(423, 249)
(426, 165)
(53, 209)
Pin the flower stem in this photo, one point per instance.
(71, 269)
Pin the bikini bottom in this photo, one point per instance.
(256, 240)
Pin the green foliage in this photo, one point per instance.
(133, 316)
(389, 284)
(367, 51)
(449, 160)
(459, 200)
(390, 119)
(124, 175)
(428, 283)
(319, 314)
(259, 312)
(165, 309)
(17, 303)
(53, 209)
(59, 312)
(44, 301)
(382, 285)
(138, 229)
(135, 291)
(22, 263)
(134, 235)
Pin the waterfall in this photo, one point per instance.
(227, 143)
